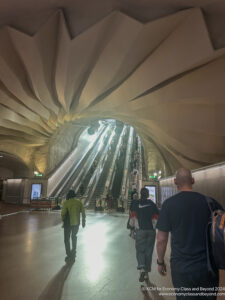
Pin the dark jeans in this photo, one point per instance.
(145, 241)
(195, 280)
(70, 231)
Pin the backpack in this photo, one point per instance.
(67, 219)
(215, 237)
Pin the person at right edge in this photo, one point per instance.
(71, 210)
(186, 215)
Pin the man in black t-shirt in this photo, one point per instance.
(186, 216)
(146, 210)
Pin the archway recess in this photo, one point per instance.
(163, 77)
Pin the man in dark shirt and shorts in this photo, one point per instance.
(146, 210)
(186, 216)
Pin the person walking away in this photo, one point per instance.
(133, 221)
(133, 192)
(81, 189)
(109, 202)
(146, 210)
(186, 215)
(71, 210)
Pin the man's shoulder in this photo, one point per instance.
(78, 200)
(64, 203)
(170, 200)
(151, 203)
(185, 195)
(75, 200)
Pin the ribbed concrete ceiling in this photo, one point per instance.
(153, 64)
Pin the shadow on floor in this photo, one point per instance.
(55, 287)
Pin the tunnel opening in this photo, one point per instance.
(111, 168)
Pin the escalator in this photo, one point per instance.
(104, 168)
(123, 199)
(119, 170)
(75, 162)
(100, 187)
(91, 164)
(98, 171)
(121, 132)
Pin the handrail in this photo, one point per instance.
(122, 202)
(89, 162)
(112, 167)
(94, 180)
(139, 165)
(93, 150)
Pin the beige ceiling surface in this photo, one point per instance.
(164, 77)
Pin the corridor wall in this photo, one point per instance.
(209, 181)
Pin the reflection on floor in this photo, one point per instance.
(32, 260)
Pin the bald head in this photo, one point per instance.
(184, 179)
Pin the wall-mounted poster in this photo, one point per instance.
(152, 192)
(36, 191)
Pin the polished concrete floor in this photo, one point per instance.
(6, 208)
(32, 260)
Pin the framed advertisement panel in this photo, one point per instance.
(152, 192)
(36, 189)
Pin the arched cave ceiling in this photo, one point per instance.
(156, 65)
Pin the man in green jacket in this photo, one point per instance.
(71, 210)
